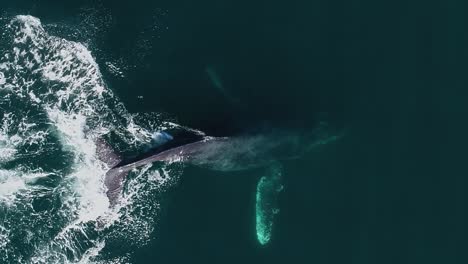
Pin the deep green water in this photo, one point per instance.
(392, 76)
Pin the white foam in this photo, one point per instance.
(13, 181)
(114, 69)
(91, 253)
(7, 142)
(62, 79)
(10, 183)
(2, 78)
(4, 236)
(6, 154)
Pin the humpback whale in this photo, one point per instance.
(222, 154)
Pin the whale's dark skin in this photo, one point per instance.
(215, 153)
(115, 177)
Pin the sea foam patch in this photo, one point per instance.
(54, 104)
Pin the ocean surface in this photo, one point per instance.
(387, 80)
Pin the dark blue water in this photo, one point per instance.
(391, 76)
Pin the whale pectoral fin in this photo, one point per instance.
(106, 153)
(266, 203)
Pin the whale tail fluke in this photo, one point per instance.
(114, 177)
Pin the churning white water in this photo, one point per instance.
(54, 103)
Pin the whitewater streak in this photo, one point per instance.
(54, 104)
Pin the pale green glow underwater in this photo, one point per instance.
(266, 206)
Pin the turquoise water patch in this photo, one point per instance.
(266, 206)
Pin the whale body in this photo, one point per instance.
(222, 154)
(215, 153)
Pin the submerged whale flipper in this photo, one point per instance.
(269, 187)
